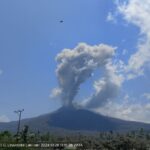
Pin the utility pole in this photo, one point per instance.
(19, 112)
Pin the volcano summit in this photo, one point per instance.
(73, 119)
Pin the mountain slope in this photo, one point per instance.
(71, 119)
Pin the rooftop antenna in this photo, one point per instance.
(18, 112)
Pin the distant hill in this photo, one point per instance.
(68, 119)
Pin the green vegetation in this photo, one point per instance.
(135, 140)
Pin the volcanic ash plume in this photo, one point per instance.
(106, 88)
(76, 65)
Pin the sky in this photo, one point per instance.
(99, 56)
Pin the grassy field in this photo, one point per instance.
(134, 140)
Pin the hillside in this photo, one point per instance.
(68, 119)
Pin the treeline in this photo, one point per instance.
(134, 140)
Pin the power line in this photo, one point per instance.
(18, 112)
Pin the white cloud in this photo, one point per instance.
(4, 118)
(147, 95)
(111, 17)
(126, 98)
(56, 92)
(133, 112)
(137, 12)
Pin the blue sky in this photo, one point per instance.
(31, 36)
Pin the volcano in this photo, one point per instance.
(71, 119)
